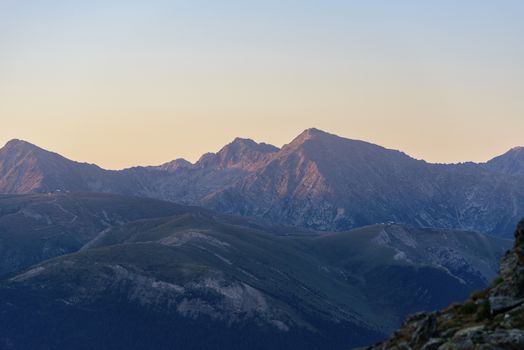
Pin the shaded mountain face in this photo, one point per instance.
(37, 227)
(195, 279)
(318, 181)
(489, 319)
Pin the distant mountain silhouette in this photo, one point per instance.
(319, 181)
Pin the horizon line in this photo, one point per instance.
(258, 143)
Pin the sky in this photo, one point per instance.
(122, 83)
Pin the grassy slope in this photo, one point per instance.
(327, 289)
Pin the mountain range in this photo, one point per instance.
(318, 181)
(105, 271)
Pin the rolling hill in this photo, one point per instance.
(36, 227)
(193, 278)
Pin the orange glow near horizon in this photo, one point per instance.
(122, 84)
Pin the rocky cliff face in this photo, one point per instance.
(490, 319)
(326, 182)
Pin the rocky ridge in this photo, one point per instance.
(319, 181)
(489, 319)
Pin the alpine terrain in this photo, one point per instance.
(104, 271)
(318, 181)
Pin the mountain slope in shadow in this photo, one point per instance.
(197, 279)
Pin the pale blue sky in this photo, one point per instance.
(141, 82)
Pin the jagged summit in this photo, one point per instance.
(240, 153)
(242, 140)
(176, 164)
(245, 143)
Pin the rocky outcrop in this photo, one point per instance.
(490, 319)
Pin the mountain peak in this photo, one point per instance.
(18, 144)
(17, 149)
(240, 153)
(311, 134)
(243, 152)
(25, 167)
(176, 164)
(314, 133)
(511, 162)
(243, 143)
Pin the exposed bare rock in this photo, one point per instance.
(500, 304)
